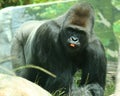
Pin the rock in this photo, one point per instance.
(17, 86)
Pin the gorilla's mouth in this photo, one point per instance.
(74, 46)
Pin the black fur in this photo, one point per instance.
(62, 46)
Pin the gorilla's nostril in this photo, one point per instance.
(74, 38)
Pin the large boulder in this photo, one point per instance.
(17, 86)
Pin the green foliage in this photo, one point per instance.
(59, 92)
(116, 3)
(110, 86)
(6, 3)
(38, 1)
(48, 11)
(116, 28)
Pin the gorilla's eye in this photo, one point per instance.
(73, 31)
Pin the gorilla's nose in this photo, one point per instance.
(75, 39)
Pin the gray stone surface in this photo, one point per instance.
(10, 19)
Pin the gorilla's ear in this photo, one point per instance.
(81, 16)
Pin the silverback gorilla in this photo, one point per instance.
(62, 46)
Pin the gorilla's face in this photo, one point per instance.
(73, 40)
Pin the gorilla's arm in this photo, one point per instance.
(18, 44)
(94, 69)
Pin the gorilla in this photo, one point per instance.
(62, 45)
